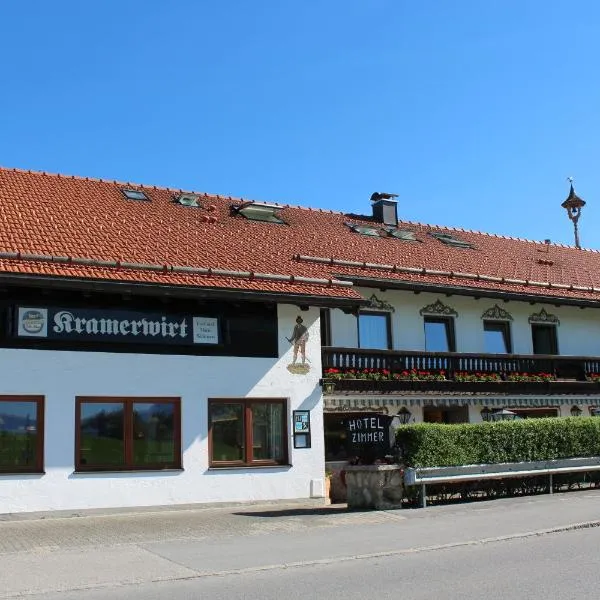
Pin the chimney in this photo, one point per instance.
(385, 208)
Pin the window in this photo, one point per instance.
(439, 334)
(135, 194)
(364, 230)
(247, 432)
(190, 200)
(374, 331)
(255, 211)
(21, 434)
(127, 434)
(450, 240)
(535, 413)
(544, 339)
(402, 234)
(497, 337)
(325, 320)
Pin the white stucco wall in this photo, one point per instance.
(61, 376)
(578, 332)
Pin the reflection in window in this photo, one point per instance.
(267, 442)
(153, 433)
(227, 421)
(21, 435)
(496, 335)
(247, 432)
(439, 334)
(101, 434)
(127, 433)
(374, 331)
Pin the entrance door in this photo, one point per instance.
(544, 339)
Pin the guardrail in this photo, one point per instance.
(431, 475)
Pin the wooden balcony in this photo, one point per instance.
(569, 374)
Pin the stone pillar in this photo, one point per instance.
(374, 486)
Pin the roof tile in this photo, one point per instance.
(89, 218)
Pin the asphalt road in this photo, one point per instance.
(557, 566)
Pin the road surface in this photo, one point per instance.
(558, 566)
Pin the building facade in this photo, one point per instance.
(168, 347)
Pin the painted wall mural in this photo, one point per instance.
(298, 339)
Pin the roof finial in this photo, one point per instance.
(573, 204)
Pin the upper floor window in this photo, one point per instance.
(325, 321)
(374, 330)
(543, 332)
(544, 339)
(114, 434)
(438, 320)
(21, 434)
(439, 334)
(496, 335)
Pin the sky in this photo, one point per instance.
(474, 112)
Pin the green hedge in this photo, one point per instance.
(436, 445)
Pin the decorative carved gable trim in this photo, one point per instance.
(438, 308)
(544, 317)
(376, 304)
(497, 314)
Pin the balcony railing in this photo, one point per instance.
(564, 374)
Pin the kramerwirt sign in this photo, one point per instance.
(99, 325)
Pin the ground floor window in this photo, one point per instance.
(535, 413)
(447, 414)
(247, 432)
(127, 434)
(21, 434)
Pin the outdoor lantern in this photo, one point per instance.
(328, 387)
(485, 413)
(504, 415)
(575, 411)
(404, 415)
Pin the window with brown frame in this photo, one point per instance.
(114, 434)
(21, 434)
(250, 432)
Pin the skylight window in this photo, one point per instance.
(135, 194)
(190, 200)
(450, 240)
(364, 230)
(255, 211)
(402, 234)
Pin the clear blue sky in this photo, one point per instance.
(473, 111)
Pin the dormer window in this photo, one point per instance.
(259, 211)
(190, 200)
(405, 235)
(135, 194)
(450, 240)
(364, 230)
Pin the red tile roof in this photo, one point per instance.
(61, 216)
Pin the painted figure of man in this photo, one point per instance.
(299, 339)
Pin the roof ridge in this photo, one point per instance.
(287, 205)
(166, 188)
(496, 235)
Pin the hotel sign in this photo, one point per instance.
(123, 326)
